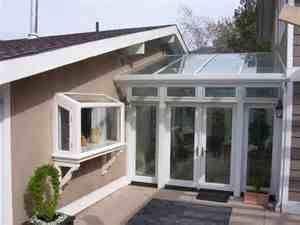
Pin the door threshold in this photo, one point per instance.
(143, 184)
(180, 188)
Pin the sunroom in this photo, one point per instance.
(210, 121)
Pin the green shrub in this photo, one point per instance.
(43, 187)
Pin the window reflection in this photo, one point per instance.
(260, 142)
(145, 140)
(182, 143)
(218, 152)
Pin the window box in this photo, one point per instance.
(87, 126)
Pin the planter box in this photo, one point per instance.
(62, 219)
(256, 198)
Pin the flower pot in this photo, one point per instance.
(61, 219)
(256, 198)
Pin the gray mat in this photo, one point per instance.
(163, 212)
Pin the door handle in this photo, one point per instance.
(202, 152)
(197, 151)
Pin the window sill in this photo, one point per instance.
(70, 158)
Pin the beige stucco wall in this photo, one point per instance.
(32, 100)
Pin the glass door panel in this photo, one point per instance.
(145, 141)
(260, 144)
(182, 143)
(218, 145)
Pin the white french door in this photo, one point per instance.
(202, 146)
(216, 147)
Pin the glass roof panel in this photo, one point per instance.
(232, 63)
(188, 64)
(84, 98)
(261, 63)
(224, 63)
(152, 68)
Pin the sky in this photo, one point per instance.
(72, 16)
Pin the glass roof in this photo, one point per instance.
(88, 98)
(234, 63)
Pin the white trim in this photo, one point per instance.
(230, 79)
(144, 179)
(18, 68)
(78, 205)
(6, 212)
(286, 147)
(73, 158)
(163, 143)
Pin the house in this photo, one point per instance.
(113, 107)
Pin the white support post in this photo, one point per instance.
(286, 145)
(130, 139)
(238, 140)
(163, 144)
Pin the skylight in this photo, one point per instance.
(233, 64)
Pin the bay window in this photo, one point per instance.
(87, 125)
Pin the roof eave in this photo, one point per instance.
(22, 67)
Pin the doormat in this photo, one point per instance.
(165, 212)
(214, 195)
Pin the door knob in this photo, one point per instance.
(202, 152)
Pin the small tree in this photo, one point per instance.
(44, 189)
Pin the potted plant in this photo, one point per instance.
(257, 196)
(43, 188)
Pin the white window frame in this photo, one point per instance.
(75, 154)
(275, 164)
(132, 134)
(6, 212)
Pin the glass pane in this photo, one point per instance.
(218, 145)
(260, 143)
(63, 129)
(145, 140)
(83, 98)
(144, 91)
(152, 68)
(181, 91)
(182, 142)
(99, 127)
(219, 92)
(188, 64)
(224, 63)
(262, 92)
(262, 63)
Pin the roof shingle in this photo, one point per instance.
(23, 47)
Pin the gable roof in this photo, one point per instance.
(24, 47)
(27, 57)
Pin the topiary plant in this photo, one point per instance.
(44, 189)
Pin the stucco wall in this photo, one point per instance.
(32, 100)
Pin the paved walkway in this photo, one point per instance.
(118, 208)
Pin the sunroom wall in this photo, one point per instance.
(32, 121)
